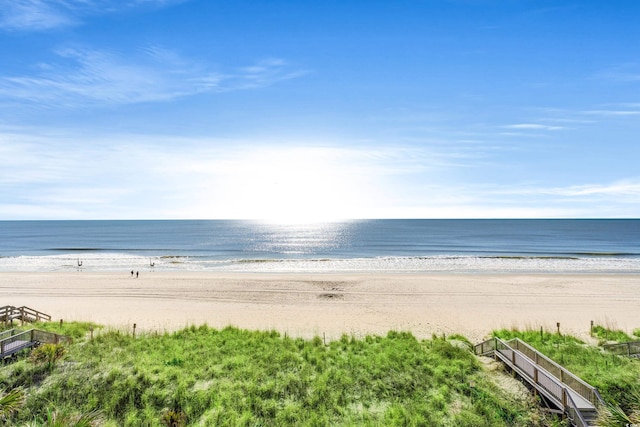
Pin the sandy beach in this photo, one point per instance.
(330, 305)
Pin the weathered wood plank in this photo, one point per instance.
(548, 378)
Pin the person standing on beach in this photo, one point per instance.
(136, 274)
(131, 273)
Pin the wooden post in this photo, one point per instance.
(558, 325)
(60, 323)
(134, 330)
(541, 334)
(591, 330)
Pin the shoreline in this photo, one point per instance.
(332, 304)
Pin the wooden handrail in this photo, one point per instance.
(35, 313)
(574, 413)
(9, 332)
(47, 337)
(565, 376)
(21, 336)
(33, 336)
(10, 312)
(630, 349)
(526, 360)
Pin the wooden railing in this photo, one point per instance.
(18, 340)
(566, 377)
(46, 337)
(8, 333)
(549, 378)
(629, 349)
(485, 347)
(34, 314)
(574, 414)
(8, 313)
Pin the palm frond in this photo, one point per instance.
(11, 401)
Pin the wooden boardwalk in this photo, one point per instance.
(15, 340)
(558, 387)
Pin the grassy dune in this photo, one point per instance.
(232, 377)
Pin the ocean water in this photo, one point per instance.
(403, 246)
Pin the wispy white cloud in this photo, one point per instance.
(85, 76)
(533, 126)
(613, 112)
(262, 73)
(33, 15)
(629, 188)
(623, 73)
(39, 15)
(618, 199)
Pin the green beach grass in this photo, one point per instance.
(201, 376)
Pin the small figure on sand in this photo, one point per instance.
(131, 273)
(137, 274)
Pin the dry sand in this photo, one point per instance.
(333, 304)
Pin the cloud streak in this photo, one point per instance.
(33, 15)
(624, 73)
(42, 15)
(613, 113)
(88, 77)
(533, 126)
(623, 190)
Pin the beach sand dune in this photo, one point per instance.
(330, 305)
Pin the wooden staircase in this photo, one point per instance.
(558, 387)
(12, 341)
(9, 313)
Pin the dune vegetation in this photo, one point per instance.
(200, 376)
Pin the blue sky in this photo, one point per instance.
(317, 110)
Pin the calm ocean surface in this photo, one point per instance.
(350, 246)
